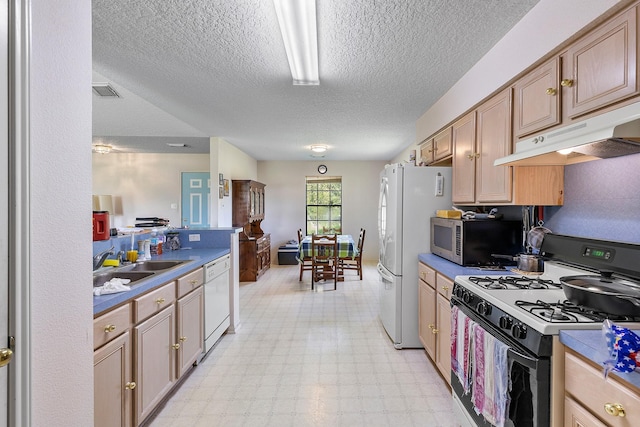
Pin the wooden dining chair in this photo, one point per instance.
(356, 262)
(324, 254)
(305, 261)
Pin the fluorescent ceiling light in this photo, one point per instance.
(318, 148)
(102, 148)
(297, 19)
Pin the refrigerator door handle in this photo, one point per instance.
(387, 278)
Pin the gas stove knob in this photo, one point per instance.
(483, 308)
(459, 292)
(466, 297)
(519, 331)
(506, 322)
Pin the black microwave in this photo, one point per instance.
(470, 242)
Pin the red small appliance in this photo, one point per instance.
(100, 225)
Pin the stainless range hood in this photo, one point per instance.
(612, 134)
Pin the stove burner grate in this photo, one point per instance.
(519, 282)
(569, 312)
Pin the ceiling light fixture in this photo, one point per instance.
(297, 19)
(102, 148)
(318, 148)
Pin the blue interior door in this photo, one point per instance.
(196, 200)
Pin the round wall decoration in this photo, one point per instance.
(322, 169)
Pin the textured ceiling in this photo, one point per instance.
(198, 68)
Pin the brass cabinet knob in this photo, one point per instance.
(432, 326)
(176, 346)
(130, 385)
(614, 409)
(435, 331)
(109, 328)
(473, 156)
(160, 301)
(445, 288)
(193, 282)
(566, 83)
(183, 339)
(5, 356)
(551, 91)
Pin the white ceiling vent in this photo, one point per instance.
(105, 89)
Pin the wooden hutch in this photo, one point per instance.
(248, 213)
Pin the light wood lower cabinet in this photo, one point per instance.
(434, 316)
(144, 347)
(155, 360)
(190, 329)
(592, 400)
(114, 388)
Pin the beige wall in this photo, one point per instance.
(285, 199)
(145, 184)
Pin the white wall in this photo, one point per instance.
(233, 164)
(146, 184)
(285, 199)
(60, 218)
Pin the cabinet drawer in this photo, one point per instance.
(585, 383)
(110, 325)
(154, 301)
(444, 286)
(427, 274)
(190, 281)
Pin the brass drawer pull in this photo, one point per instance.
(614, 409)
(176, 346)
(160, 301)
(183, 339)
(109, 328)
(130, 385)
(566, 83)
(551, 91)
(193, 282)
(435, 331)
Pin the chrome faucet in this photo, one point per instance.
(99, 259)
(121, 256)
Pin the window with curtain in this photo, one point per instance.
(324, 205)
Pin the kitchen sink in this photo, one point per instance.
(152, 265)
(134, 276)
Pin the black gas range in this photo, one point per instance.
(524, 313)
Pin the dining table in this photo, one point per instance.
(347, 248)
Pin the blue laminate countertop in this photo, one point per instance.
(196, 258)
(591, 345)
(451, 269)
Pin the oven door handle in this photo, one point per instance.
(524, 360)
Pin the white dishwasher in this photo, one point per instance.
(216, 300)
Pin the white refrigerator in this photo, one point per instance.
(409, 197)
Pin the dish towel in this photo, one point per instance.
(113, 286)
(461, 338)
(490, 377)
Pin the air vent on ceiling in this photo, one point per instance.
(105, 89)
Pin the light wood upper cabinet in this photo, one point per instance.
(493, 183)
(537, 97)
(426, 152)
(601, 68)
(464, 159)
(476, 146)
(442, 145)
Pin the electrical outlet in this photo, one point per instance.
(194, 237)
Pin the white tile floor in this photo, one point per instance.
(306, 358)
